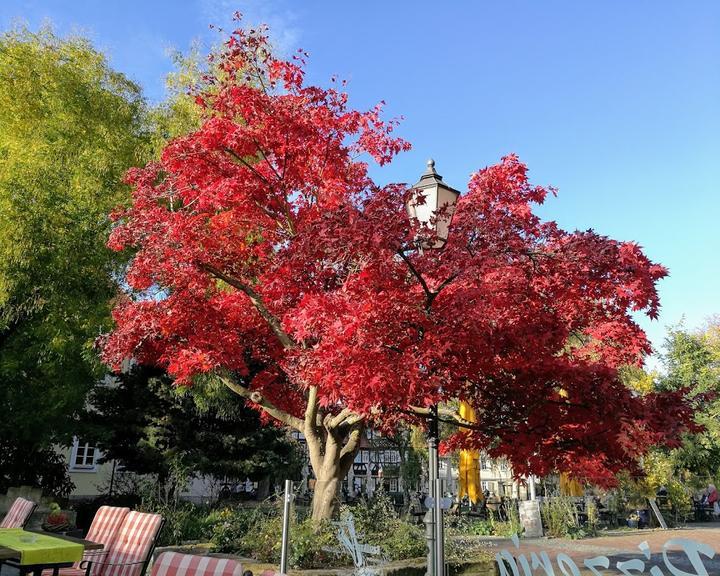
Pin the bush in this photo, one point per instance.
(256, 533)
(467, 526)
(460, 541)
(682, 505)
(560, 518)
(312, 546)
(378, 524)
(510, 526)
(262, 539)
(227, 527)
(184, 521)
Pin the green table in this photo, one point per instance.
(33, 552)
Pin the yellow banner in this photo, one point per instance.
(469, 466)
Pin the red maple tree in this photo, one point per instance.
(283, 269)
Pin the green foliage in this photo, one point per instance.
(468, 526)
(179, 114)
(512, 523)
(482, 528)
(184, 522)
(255, 532)
(42, 467)
(69, 128)
(692, 360)
(460, 537)
(593, 517)
(492, 526)
(379, 524)
(226, 527)
(311, 545)
(560, 518)
(150, 425)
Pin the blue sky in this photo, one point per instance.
(616, 103)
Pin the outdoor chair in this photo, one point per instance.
(130, 551)
(103, 530)
(19, 514)
(176, 564)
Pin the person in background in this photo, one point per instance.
(712, 500)
(493, 503)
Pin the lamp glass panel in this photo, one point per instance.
(424, 212)
(445, 198)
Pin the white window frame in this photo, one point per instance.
(85, 467)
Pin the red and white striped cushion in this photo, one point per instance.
(18, 514)
(66, 572)
(132, 546)
(103, 530)
(175, 564)
(106, 524)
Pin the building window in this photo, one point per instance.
(503, 465)
(394, 485)
(485, 464)
(83, 457)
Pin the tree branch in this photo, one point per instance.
(257, 301)
(426, 289)
(429, 294)
(314, 434)
(426, 413)
(311, 410)
(335, 421)
(446, 282)
(351, 446)
(349, 423)
(248, 165)
(264, 403)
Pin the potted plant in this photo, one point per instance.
(633, 520)
(56, 521)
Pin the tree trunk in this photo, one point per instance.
(263, 488)
(330, 457)
(333, 440)
(325, 500)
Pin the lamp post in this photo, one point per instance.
(439, 199)
(432, 204)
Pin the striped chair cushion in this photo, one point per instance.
(66, 572)
(19, 514)
(175, 564)
(103, 530)
(132, 546)
(106, 524)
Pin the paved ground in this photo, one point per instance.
(701, 557)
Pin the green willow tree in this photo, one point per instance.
(692, 360)
(70, 127)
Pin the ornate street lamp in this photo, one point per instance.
(433, 204)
